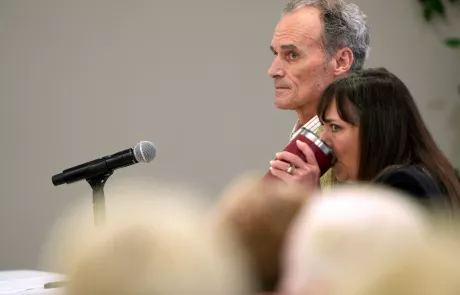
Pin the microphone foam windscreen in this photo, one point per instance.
(145, 151)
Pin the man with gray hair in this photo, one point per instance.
(315, 42)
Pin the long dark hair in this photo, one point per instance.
(391, 129)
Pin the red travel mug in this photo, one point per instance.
(323, 153)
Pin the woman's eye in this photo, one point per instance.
(335, 128)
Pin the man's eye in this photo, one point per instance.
(293, 55)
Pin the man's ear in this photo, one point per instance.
(343, 61)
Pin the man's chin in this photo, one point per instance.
(284, 104)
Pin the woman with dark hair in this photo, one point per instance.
(377, 134)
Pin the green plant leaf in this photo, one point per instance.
(438, 6)
(433, 7)
(453, 42)
(427, 14)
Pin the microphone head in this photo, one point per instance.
(145, 152)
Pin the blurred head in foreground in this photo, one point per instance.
(260, 213)
(431, 268)
(347, 232)
(156, 240)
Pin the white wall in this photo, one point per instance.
(414, 50)
(83, 79)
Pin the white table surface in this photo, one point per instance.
(28, 282)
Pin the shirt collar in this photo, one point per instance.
(313, 125)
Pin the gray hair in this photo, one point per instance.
(344, 25)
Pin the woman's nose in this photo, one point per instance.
(324, 135)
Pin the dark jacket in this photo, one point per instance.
(416, 182)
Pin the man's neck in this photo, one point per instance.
(305, 115)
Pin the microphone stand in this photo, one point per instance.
(97, 185)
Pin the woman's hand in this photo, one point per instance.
(304, 173)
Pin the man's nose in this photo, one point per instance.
(275, 69)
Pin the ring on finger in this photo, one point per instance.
(290, 169)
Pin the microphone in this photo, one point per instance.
(143, 152)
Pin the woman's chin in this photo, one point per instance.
(338, 174)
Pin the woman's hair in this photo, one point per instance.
(391, 129)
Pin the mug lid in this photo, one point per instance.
(317, 141)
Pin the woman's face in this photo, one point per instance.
(343, 138)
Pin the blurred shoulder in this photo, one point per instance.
(412, 179)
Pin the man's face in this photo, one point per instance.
(300, 69)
